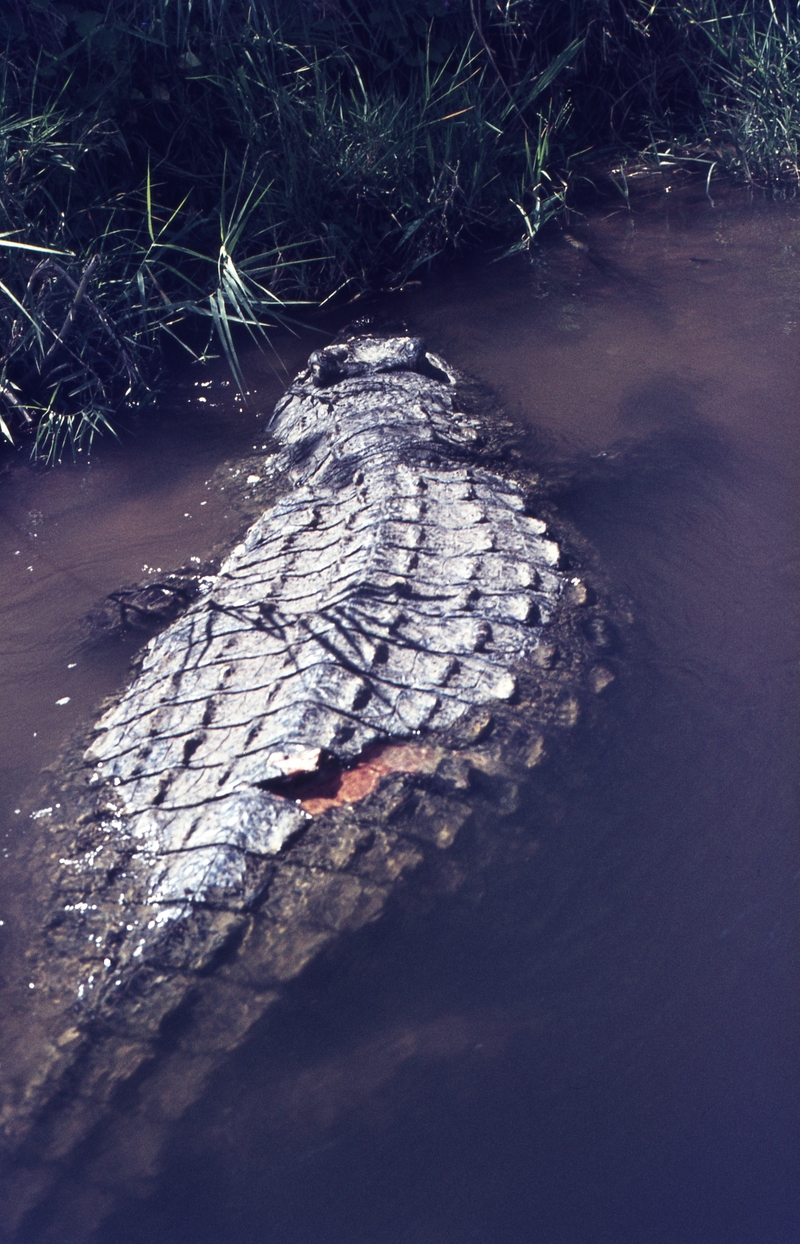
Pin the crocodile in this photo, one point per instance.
(309, 731)
(388, 592)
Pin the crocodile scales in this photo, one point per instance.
(392, 589)
(397, 617)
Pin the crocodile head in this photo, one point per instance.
(363, 356)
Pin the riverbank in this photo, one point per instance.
(196, 174)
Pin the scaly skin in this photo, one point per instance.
(391, 590)
(397, 591)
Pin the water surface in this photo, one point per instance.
(599, 1042)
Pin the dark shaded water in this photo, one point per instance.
(599, 1044)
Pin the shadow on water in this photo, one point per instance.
(588, 1036)
(640, 292)
(670, 447)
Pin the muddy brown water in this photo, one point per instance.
(601, 1043)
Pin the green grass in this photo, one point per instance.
(750, 90)
(200, 171)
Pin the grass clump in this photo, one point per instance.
(750, 101)
(228, 162)
(198, 168)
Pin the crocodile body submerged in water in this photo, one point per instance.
(390, 591)
(396, 628)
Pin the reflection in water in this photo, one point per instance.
(596, 1042)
